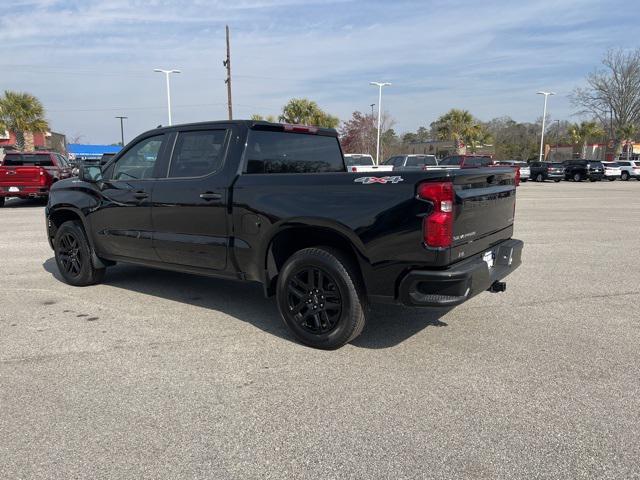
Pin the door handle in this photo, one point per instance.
(211, 196)
(140, 195)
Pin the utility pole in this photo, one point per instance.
(557, 138)
(122, 130)
(372, 105)
(227, 63)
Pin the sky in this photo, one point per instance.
(90, 60)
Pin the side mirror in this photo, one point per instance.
(90, 173)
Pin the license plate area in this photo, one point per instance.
(488, 258)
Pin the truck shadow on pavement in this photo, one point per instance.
(387, 325)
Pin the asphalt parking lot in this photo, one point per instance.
(162, 375)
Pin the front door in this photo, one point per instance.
(122, 223)
(189, 212)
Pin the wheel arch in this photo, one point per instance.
(290, 238)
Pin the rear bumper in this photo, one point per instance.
(25, 191)
(553, 176)
(460, 282)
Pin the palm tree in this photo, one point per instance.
(626, 133)
(581, 134)
(303, 111)
(23, 114)
(461, 127)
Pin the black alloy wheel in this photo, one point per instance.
(314, 300)
(69, 254)
(73, 255)
(577, 177)
(321, 297)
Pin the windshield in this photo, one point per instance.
(27, 160)
(611, 165)
(557, 165)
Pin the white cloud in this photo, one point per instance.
(489, 57)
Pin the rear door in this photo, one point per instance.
(190, 205)
(122, 223)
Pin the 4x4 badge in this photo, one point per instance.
(370, 180)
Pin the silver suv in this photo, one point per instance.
(629, 169)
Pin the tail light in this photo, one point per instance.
(42, 178)
(300, 128)
(517, 180)
(438, 226)
(354, 169)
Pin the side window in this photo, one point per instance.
(62, 160)
(197, 153)
(283, 152)
(139, 161)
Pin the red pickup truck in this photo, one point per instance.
(31, 174)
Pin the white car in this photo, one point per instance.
(612, 171)
(362, 162)
(525, 170)
(629, 169)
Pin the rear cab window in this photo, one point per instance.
(289, 152)
(27, 160)
(422, 160)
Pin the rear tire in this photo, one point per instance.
(73, 256)
(539, 178)
(577, 177)
(2, 202)
(557, 180)
(320, 298)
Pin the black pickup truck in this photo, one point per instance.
(274, 204)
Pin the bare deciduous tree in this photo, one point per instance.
(612, 91)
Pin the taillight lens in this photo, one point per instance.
(43, 177)
(300, 128)
(438, 226)
(517, 176)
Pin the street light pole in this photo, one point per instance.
(122, 130)
(544, 115)
(372, 105)
(166, 74)
(379, 85)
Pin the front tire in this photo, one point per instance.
(2, 199)
(73, 256)
(557, 180)
(624, 176)
(320, 298)
(577, 177)
(539, 178)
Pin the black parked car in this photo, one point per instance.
(274, 204)
(541, 171)
(578, 170)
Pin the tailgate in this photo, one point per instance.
(485, 204)
(19, 176)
